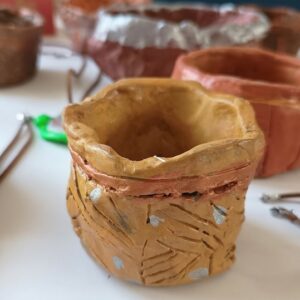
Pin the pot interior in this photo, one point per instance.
(250, 65)
(140, 121)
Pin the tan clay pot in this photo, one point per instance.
(270, 81)
(158, 180)
(20, 34)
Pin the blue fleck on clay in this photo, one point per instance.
(219, 213)
(118, 262)
(95, 194)
(199, 274)
(155, 220)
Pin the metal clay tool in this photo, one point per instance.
(274, 198)
(62, 52)
(17, 146)
(281, 212)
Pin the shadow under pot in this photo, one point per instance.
(157, 188)
(20, 34)
(269, 81)
(146, 41)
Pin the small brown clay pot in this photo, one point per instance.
(284, 33)
(158, 180)
(272, 84)
(20, 34)
(146, 41)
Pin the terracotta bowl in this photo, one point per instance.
(146, 41)
(20, 35)
(270, 81)
(158, 181)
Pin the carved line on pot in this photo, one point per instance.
(115, 226)
(180, 256)
(162, 271)
(206, 222)
(218, 240)
(230, 251)
(195, 216)
(198, 241)
(173, 255)
(185, 237)
(175, 248)
(85, 211)
(76, 195)
(182, 273)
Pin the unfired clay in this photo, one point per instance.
(158, 181)
(20, 34)
(284, 34)
(270, 81)
(133, 42)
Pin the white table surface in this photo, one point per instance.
(42, 258)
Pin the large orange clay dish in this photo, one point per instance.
(270, 81)
(159, 175)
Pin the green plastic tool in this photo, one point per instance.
(50, 129)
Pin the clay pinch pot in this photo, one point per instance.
(157, 187)
(79, 18)
(132, 42)
(270, 81)
(20, 34)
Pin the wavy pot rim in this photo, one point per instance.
(209, 158)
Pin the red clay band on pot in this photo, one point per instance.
(270, 81)
(158, 181)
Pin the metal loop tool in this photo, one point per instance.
(281, 212)
(62, 52)
(17, 146)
